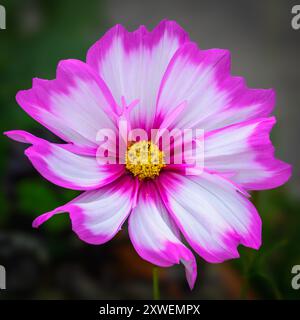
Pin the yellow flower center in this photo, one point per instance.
(144, 160)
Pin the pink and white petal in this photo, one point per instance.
(65, 168)
(133, 63)
(26, 137)
(152, 235)
(245, 151)
(214, 98)
(211, 213)
(75, 105)
(98, 215)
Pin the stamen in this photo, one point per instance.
(144, 160)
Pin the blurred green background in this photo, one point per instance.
(51, 262)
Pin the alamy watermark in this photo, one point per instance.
(176, 146)
(2, 17)
(2, 278)
(296, 278)
(295, 22)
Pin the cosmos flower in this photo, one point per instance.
(158, 79)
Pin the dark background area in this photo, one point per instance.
(51, 262)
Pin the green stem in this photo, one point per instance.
(156, 292)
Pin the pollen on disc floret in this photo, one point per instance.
(144, 160)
